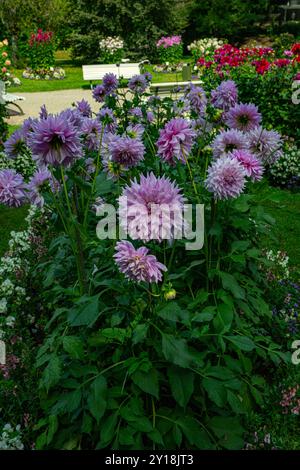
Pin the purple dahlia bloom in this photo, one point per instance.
(152, 209)
(27, 127)
(267, 145)
(148, 76)
(252, 166)
(110, 82)
(106, 116)
(243, 117)
(138, 84)
(35, 185)
(15, 145)
(73, 116)
(197, 99)
(84, 108)
(138, 265)
(225, 95)
(135, 131)
(227, 141)
(176, 140)
(126, 151)
(181, 107)
(12, 188)
(225, 178)
(43, 112)
(202, 126)
(99, 93)
(136, 112)
(91, 130)
(150, 116)
(55, 141)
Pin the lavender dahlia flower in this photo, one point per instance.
(226, 178)
(225, 95)
(252, 166)
(84, 108)
(35, 185)
(227, 141)
(136, 113)
(197, 99)
(152, 209)
(176, 140)
(135, 131)
(150, 116)
(12, 188)
(73, 116)
(27, 127)
(138, 265)
(148, 76)
(99, 93)
(91, 130)
(267, 145)
(55, 141)
(138, 84)
(243, 117)
(106, 116)
(15, 145)
(126, 151)
(110, 82)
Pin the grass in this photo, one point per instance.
(11, 219)
(284, 207)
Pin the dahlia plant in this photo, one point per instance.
(41, 47)
(149, 344)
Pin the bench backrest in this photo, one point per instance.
(97, 72)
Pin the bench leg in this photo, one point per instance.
(12, 112)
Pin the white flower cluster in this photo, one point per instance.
(10, 292)
(10, 438)
(205, 46)
(111, 44)
(23, 164)
(286, 169)
(281, 261)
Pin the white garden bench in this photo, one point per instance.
(10, 99)
(97, 72)
(166, 88)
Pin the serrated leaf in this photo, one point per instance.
(215, 390)
(242, 342)
(147, 381)
(97, 398)
(173, 312)
(140, 333)
(74, 346)
(195, 433)
(230, 283)
(175, 350)
(85, 312)
(108, 428)
(52, 373)
(182, 384)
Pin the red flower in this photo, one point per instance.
(296, 49)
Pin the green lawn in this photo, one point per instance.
(10, 219)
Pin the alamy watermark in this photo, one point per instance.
(152, 222)
(296, 92)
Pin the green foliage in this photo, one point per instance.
(139, 24)
(171, 54)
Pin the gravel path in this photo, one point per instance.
(55, 102)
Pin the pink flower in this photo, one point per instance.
(138, 265)
(226, 178)
(252, 166)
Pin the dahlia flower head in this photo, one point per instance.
(225, 95)
(99, 93)
(138, 84)
(91, 130)
(110, 83)
(227, 141)
(35, 185)
(226, 178)
(136, 264)
(15, 145)
(152, 209)
(126, 151)
(253, 167)
(12, 188)
(243, 117)
(107, 118)
(266, 145)
(55, 141)
(84, 108)
(198, 100)
(176, 140)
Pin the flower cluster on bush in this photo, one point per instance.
(51, 73)
(169, 49)
(5, 63)
(11, 438)
(41, 48)
(152, 318)
(285, 172)
(111, 50)
(204, 47)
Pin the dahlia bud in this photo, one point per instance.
(170, 294)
